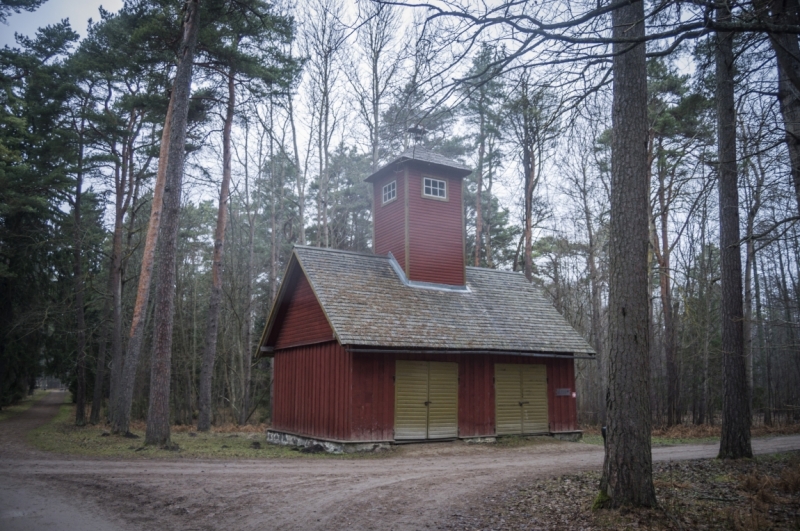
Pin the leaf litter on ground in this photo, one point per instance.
(744, 495)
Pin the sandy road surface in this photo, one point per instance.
(412, 488)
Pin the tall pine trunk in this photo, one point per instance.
(100, 367)
(158, 421)
(212, 326)
(787, 53)
(627, 471)
(80, 321)
(479, 190)
(122, 392)
(735, 440)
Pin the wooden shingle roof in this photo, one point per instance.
(368, 304)
(425, 157)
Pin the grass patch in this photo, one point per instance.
(22, 405)
(673, 436)
(516, 441)
(62, 436)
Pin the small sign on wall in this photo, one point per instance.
(564, 392)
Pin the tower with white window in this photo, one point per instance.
(418, 216)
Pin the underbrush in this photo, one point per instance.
(223, 442)
(22, 405)
(743, 495)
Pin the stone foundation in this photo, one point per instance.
(571, 436)
(332, 447)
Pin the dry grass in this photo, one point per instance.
(229, 427)
(691, 431)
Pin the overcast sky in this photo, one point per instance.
(77, 11)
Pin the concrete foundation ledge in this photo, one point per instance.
(480, 440)
(571, 436)
(313, 444)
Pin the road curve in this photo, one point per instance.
(411, 489)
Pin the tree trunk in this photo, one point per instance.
(628, 471)
(763, 351)
(787, 53)
(158, 422)
(212, 326)
(488, 216)
(300, 184)
(100, 369)
(80, 321)
(596, 326)
(479, 191)
(247, 325)
(120, 420)
(661, 249)
(735, 440)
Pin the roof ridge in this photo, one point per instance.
(340, 251)
(494, 270)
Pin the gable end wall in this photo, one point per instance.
(303, 321)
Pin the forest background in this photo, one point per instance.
(309, 100)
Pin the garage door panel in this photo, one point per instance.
(443, 398)
(411, 392)
(507, 398)
(426, 404)
(521, 399)
(534, 393)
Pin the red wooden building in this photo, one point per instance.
(409, 344)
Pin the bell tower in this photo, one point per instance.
(418, 215)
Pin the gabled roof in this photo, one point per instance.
(368, 304)
(426, 157)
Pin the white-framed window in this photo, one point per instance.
(390, 192)
(434, 188)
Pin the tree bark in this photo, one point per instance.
(627, 470)
(126, 188)
(479, 188)
(665, 286)
(735, 439)
(158, 421)
(212, 326)
(787, 53)
(487, 231)
(80, 321)
(100, 369)
(301, 176)
(120, 420)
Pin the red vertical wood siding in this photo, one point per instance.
(303, 321)
(373, 393)
(435, 232)
(373, 397)
(476, 396)
(390, 219)
(323, 391)
(563, 409)
(313, 391)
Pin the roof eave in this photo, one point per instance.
(397, 164)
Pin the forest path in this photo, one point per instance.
(31, 501)
(414, 487)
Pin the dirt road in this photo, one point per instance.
(414, 487)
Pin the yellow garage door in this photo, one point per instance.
(426, 400)
(520, 399)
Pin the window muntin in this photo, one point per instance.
(434, 188)
(390, 192)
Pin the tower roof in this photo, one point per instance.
(426, 157)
